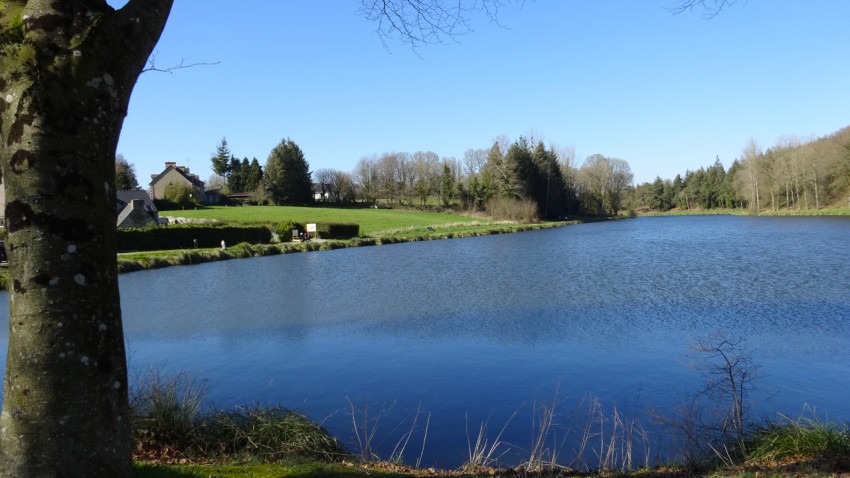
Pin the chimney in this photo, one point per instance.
(170, 163)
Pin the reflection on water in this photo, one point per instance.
(483, 327)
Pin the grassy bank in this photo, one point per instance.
(747, 212)
(129, 262)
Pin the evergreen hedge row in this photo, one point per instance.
(338, 231)
(184, 237)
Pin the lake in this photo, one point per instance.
(490, 329)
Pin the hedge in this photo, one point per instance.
(185, 237)
(324, 230)
(337, 231)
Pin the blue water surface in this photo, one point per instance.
(486, 330)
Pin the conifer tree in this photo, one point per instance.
(221, 160)
(287, 175)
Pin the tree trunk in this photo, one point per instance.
(66, 73)
(815, 185)
(797, 189)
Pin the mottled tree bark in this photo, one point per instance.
(67, 68)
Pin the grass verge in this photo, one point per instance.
(747, 212)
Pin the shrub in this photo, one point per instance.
(284, 230)
(182, 195)
(519, 210)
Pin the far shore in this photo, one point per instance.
(835, 211)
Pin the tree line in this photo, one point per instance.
(523, 179)
(526, 180)
(790, 175)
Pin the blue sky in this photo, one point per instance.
(623, 78)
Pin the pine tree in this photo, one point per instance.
(447, 185)
(520, 169)
(221, 160)
(550, 188)
(254, 176)
(287, 175)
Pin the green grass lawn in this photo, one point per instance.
(371, 221)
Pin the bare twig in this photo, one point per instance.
(710, 8)
(426, 22)
(366, 428)
(182, 64)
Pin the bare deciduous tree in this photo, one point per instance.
(474, 161)
(603, 182)
(715, 417)
(730, 374)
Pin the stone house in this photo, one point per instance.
(174, 174)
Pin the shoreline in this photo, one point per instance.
(148, 260)
(137, 261)
(826, 212)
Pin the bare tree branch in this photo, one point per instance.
(426, 22)
(710, 8)
(152, 66)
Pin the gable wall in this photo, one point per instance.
(170, 177)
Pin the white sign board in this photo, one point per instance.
(311, 228)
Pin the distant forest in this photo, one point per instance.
(791, 175)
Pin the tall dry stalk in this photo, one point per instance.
(365, 428)
(483, 454)
(544, 425)
(397, 455)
